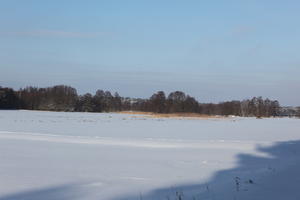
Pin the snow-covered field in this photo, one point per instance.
(57, 155)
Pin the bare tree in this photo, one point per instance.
(158, 102)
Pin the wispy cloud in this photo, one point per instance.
(54, 33)
(243, 30)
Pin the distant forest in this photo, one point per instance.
(65, 98)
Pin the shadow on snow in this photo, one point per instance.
(276, 176)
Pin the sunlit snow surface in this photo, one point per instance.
(109, 156)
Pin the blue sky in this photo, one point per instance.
(213, 50)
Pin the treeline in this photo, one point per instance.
(180, 102)
(65, 98)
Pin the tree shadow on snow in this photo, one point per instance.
(63, 192)
(276, 176)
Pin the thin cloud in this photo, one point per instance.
(54, 33)
(243, 30)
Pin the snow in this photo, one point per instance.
(110, 156)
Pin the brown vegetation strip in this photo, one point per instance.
(172, 115)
